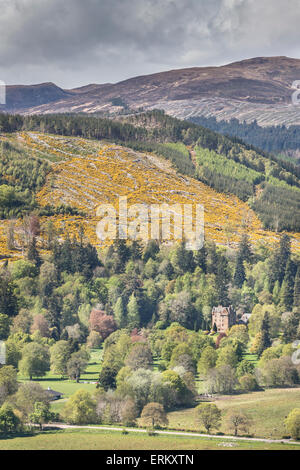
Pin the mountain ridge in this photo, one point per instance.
(258, 88)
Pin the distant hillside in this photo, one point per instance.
(79, 174)
(258, 88)
(20, 97)
(269, 186)
(280, 140)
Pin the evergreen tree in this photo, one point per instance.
(8, 299)
(244, 250)
(279, 261)
(62, 256)
(212, 258)
(296, 299)
(53, 304)
(287, 288)
(265, 341)
(239, 272)
(136, 250)
(151, 250)
(200, 258)
(222, 280)
(33, 254)
(291, 327)
(284, 255)
(121, 251)
(50, 233)
(182, 259)
(117, 256)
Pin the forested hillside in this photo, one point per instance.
(275, 139)
(269, 185)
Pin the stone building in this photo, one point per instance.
(223, 318)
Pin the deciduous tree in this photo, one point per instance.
(153, 414)
(209, 415)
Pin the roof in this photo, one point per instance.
(53, 392)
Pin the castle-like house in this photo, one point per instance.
(223, 318)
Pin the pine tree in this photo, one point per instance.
(136, 250)
(245, 250)
(33, 254)
(200, 259)
(212, 258)
(120, 256)
(133, 314)
(182, 259)
(222, 280)
(287, 288)
(50, 233)
(151, 250)
(279, 262)
(10, 242)
(8, 299)
(239, 272)
(290, 329)
(297, 290)
(122, 251)
(65, 261)
(265, 341)
(120, 313)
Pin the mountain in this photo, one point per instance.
(21, 97)
(259, 88)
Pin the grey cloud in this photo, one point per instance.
(75, 42)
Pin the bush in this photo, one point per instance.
(80, 409)
(94, 340)
(9, 422)
(248, 383)
(292, 423)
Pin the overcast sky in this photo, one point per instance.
(76, 42)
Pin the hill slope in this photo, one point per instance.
(85, 173)
(270, 186)
(258, 88)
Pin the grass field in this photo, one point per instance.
(251, 358)
(105, 440)
(267, 410)
(69, 387)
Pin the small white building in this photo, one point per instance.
(245, 318)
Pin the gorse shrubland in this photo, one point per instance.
(230, 166)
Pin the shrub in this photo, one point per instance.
(292, 423)
(248, 383)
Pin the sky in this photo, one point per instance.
(76, 42)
